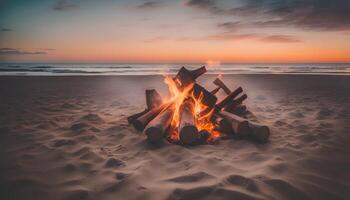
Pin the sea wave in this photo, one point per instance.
(156, 69)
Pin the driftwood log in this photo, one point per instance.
(218, 82)
(216, 90)
(187, 128)
(237, 110)
(240, 126)
(229, 98)
(198, 72)
(185, 77)
(157, 128)
(141, 122)
(133, 117)
(260, 133)
(234, 106)
(222, 103)
(237, 101)
(153, 99)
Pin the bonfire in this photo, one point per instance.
(193, 115)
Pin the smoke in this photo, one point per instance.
(213, 63)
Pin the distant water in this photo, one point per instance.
(153, 69)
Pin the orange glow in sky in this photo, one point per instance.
(166, 31)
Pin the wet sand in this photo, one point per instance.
(68, 138)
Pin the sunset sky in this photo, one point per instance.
(166, 31)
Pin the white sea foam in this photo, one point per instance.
(158, 69)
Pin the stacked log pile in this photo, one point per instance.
(196, 116)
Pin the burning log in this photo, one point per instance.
(218, 82)
(207, 98)
(156, 129)
(240, 126)
(185, 77)
(260, 133)
(141, 122)
(187, 128)
(153, 99)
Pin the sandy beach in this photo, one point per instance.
(68, 138)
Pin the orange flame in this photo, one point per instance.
(178, 96)
(204, 122)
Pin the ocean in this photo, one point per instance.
(36, 69)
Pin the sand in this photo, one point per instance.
(67, 138)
